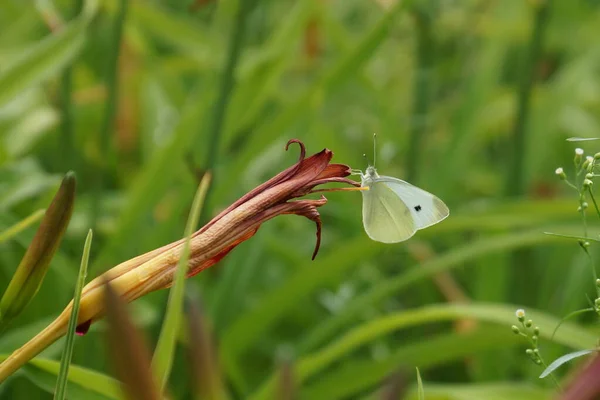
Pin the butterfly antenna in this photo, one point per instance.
(374, 148)
(367, 158)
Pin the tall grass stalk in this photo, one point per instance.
(110, 110)
(162, 361)
(65, 144)
(227, 84)
(516, 179)
(61, 384)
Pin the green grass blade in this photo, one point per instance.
(420, 390)
(20, 226)
(88, 379)
(454, 258)
(61, 384)
(44, 59)
(565, 359)
(163, 355)
(358, 374)
(503, 314)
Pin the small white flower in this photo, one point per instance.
(589, 158)
(520, 313)
(559, 171)
(578, 152)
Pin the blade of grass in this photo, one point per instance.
(110, 110)
(163, 355)
(65, 143)
(420, 390)
(503, 314)
(20, 226)
(516, 178)
(61, 384)
(45, 58)
(358, 374)
(444, 262)
(226, 86)
(91, 381)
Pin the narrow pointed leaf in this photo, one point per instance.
(565, 359)
(61, 384)
(164, 353)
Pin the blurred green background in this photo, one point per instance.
(471, 100)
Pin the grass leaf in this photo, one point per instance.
(163, 355)
(61, 384)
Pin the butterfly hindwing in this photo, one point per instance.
(425, 208)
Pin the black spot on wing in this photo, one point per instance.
(417, 208)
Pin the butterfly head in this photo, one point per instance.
(369, 175)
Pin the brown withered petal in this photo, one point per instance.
(239, 222)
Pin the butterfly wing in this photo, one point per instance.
(425, 208)
(385, 216)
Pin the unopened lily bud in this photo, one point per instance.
(30, 273)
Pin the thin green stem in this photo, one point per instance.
(594, 274)
(570, 315)
(110, 108)
(516, 178)
(227, 84)
(594, 201)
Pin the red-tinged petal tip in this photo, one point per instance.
(302, 148)
(82, 329)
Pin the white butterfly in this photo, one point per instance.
(393, 210)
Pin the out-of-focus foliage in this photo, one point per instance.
(206, 85)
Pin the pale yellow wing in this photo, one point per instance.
(385, 216)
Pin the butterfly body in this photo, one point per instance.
(393, 210)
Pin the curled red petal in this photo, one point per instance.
(282, 176)
(308, 209)
(302, 148)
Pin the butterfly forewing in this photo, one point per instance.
(386, 217)
(425, 208)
